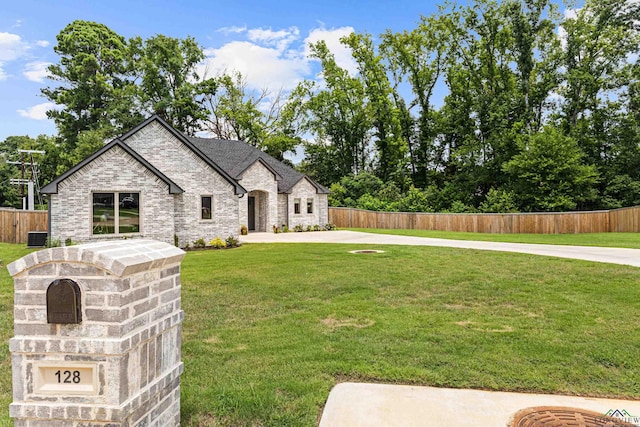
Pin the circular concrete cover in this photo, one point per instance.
(366, 251)
(549, 416)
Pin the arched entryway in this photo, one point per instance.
(257, 210)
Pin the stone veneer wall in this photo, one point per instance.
(304, 190)
(167, 154)
(283, 209)
(130, 331)
(115, 170)
(258, 178)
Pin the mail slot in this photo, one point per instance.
(63, 302)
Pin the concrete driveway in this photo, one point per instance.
(384, 405)
(587, 253)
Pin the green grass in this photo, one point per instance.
(271, 328)
(614, 240)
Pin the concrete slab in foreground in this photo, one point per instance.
(384, 405)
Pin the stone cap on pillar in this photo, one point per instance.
(118, 257)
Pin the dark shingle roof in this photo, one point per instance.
(234, 157)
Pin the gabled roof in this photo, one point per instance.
(52, 187)
(186, 141)
(235, 157)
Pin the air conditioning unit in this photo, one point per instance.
(37, 239)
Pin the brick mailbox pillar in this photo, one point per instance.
(97, 336)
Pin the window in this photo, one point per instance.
(309, 206)
(296, 206)
(206, 207)
(111, 217)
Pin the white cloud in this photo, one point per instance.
(3, 75)
(36, 71)
(279, 39)
(274, 59)
(42, 43)
(232, 30)
(332, 38)
(37, 112)
(11, 47)
(263, 67)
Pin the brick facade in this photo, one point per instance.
(305, 191)
(130, 335)
(260, 183)
(165, 152)
(171, 178)
(114, 171)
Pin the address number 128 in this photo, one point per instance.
(68, 377)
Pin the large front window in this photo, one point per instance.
(116, 213)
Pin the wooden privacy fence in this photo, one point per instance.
(16, 224)
(621, 220)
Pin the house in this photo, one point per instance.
(155, 182)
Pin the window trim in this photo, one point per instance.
(202, 207)
(116, 213)
(297, 202)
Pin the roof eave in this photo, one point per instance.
(238, 189)
(52, 187)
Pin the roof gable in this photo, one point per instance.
(52, 187)
(238, 189)
(237, 156)
(276, 175)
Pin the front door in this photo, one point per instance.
(252, 213)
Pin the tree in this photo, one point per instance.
(93, 72)
(339, 118)
(265, 120)
(169, 82)
(419, 57)
(549, 173)
(391, 148)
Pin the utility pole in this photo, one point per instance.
(28, 203)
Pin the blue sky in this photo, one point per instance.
(263, 40)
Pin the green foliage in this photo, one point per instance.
(414, 201)
(232, 242)
(513, 72)
(170, 85)
(548, 174)
(499, 201)
(93, 69)
(199, 243)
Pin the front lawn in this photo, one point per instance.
(270, 328)
(614, 240)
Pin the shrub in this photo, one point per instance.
(499, 201)
(276, 230)
(244, 230)
(200, 243)
(309, 228)
(316, 227)
(232, 242)
(329, 226)
(217, 243)
(298, 228)
(285, 229)
(52, 243)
